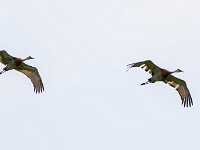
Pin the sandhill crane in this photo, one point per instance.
(19, 65)
(159, 74)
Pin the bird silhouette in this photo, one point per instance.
(19, 65)
(159, 74)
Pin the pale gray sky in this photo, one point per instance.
(90, 102)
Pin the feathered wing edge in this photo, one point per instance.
(147, 65)
(182, 89)
(33, 74)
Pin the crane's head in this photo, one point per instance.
(178, 70)
(29, 57)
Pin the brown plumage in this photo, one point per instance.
(159, 74)
(19, 65)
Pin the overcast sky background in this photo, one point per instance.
(90, 102)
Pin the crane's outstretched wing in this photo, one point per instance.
(33, 74)
(5, 57)
(147, 65)
(182, 89)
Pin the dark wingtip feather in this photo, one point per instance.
(39, 88)
(187, 101)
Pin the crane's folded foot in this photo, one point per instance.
(145, 83)
(129, 66)
(2, 71)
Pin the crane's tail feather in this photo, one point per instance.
(129, 66)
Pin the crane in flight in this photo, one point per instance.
(19, 65)
(159, 74)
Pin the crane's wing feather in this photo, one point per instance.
(5, 57)
(182, 89)
(33, 74)
(148, 65)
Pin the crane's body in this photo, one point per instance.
(159, 74)
(19, 65)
